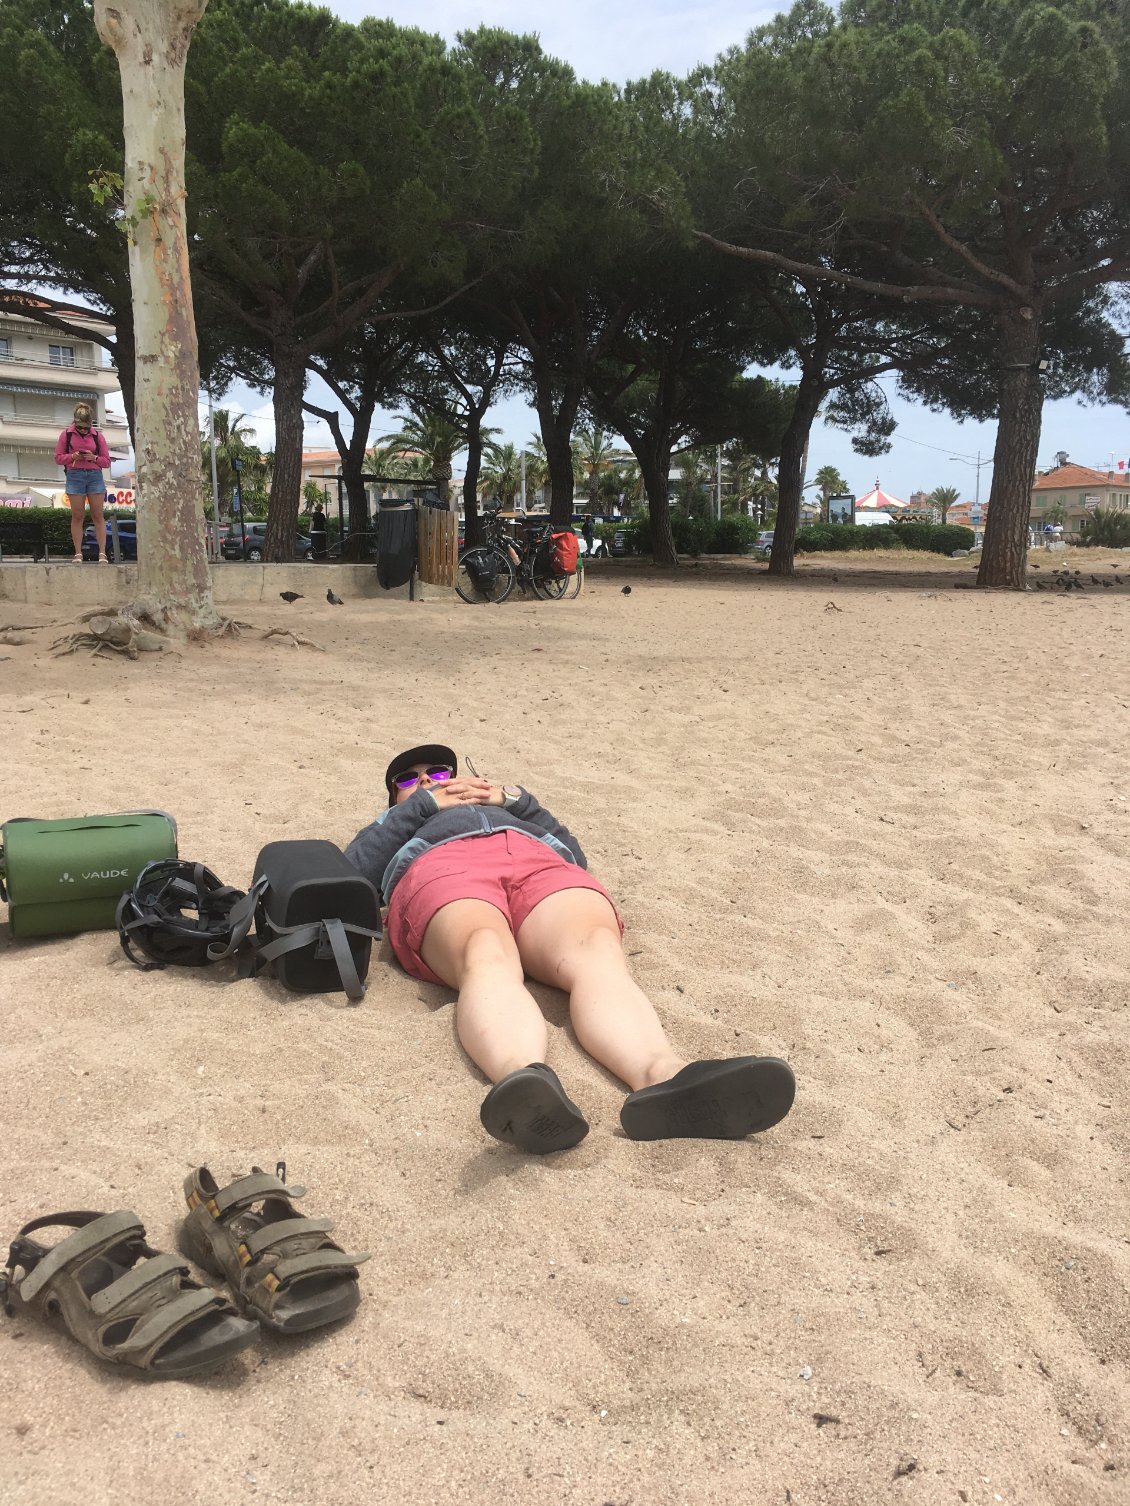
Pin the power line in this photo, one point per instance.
(942, 450)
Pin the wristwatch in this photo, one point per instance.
(511, 794)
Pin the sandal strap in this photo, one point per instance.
(286, 1228)
(313, 1263)
(168, 1319)
(241, 1194)
(148, 1273)
(106, 1230)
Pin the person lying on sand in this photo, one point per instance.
(484, 887)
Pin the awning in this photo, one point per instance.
(75, 392)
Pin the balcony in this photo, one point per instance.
(41, 371)
(43, 434)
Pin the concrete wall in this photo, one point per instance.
(80, 587)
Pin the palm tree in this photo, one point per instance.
(386, 460)
(622, 486)
(233, 442)
(537, 466)
(432, 437)
(831, 484)
(501, 476)
(753, 487)
(943, 498)
(696, 476)
(595, 456)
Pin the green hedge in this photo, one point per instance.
(736, 534)
(821, 538)
(938, 538)
(56, 525)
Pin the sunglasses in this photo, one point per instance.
(438, 774)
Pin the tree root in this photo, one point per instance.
(287, 635)
(120, 633)
(228, 627)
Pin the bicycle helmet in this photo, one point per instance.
(174, 913)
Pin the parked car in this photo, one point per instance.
(764, 541)
(621, 543)
(248, 544)
(126, 531)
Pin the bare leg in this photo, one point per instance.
(78, 512)
(469, 945)
(571, 941)
(98, 519)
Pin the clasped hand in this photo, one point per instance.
(466, 791)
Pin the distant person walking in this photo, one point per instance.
(318, 532)
(587, 532)
(84, 455)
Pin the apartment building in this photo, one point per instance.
(43, 374)
(1075, 491)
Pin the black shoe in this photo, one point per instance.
(530, 1109)
(712, 1100)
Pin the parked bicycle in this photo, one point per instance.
(490, 571)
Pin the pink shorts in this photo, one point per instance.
(511, 871)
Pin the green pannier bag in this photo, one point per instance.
(65, 876)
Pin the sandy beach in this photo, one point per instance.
(863, 820)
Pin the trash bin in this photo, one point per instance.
(396, 545)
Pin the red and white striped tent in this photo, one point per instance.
(880, 501)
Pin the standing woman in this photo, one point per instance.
(84, 455)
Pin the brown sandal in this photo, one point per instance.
(125, 1302)
(281, 1268)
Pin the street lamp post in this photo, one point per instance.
(961, 460)
(237, 506)
(215, 483)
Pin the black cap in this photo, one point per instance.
(426, 753)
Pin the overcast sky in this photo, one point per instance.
(623, 39)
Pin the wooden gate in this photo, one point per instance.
(437, 545)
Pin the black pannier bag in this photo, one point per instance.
(315, 919)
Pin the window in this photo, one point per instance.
(5, 348)
(35, 405)
(62, 355)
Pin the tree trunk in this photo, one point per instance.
(556, 424)
(441, 475)
(356, 502)
(559, 456)
(352, 473)
(471, 529)
(151, 40)
(1004, 557)
(655, 467)
(790, 471)
(286, 481)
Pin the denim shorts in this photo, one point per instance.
(85, 482)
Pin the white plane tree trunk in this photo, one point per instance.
(151, 39)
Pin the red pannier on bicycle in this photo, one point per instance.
(563, 553)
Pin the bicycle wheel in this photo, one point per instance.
(550, 587)
(484, 575)
(576, 581)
